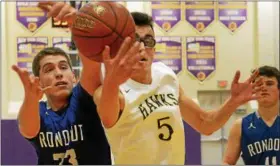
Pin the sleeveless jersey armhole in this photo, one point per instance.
(122, 112)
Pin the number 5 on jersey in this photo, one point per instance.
(162, 123)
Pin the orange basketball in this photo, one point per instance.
(101, 23)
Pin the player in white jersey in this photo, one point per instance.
(141, 104)
(150, 128)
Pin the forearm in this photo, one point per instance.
(109, 105)
(90, 75)
(214, 120)
(29, 118)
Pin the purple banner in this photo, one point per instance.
(232, 14)
(27, 48)
(201, 56)
(200, 14)
(169, 51)
(166, 14)
(62, 42)
(30, 16)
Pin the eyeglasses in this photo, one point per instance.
(148, 40)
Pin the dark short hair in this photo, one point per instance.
(142, 19)
(269, 71)
(54, 51)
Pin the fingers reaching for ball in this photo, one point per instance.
(120, 68)
(60, 11)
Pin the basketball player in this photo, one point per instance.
(142, 109)
(257, 136)
(65, 129)
(141, 106)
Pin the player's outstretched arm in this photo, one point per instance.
(207, 122)
(118, 70)
(29, 115)
(233, 149)
(90, 74)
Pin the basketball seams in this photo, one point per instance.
(120, 35)
(112, 32)
(127, 16)
(101, 21)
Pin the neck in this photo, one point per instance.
(143, 78)
(56, 104)
(269, 113)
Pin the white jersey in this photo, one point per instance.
(150, 129)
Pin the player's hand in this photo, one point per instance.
(30, 83)
(60, 11)
(120, 68)
(242, 92)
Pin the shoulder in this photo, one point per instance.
(238, 122)
(236, 127)
(78, 89)
(249, 118)
(163, 68)
(43, 107)
(80, 95)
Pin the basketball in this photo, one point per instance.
(98, 24)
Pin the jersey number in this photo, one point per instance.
(69, 153)
(162, 124)
(273, 160)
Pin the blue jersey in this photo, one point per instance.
(260, 144)
(73, 135)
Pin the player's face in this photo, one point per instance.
(269, 93)
(56, 72)
(146, 35)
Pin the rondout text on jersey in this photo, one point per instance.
(258, 147)
(155, 101)
(61, 138)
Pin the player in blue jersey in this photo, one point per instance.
(257, 136)
(66, 128)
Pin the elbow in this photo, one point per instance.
(107, 123)
(225, 163)
(228, 161)
(29, 132)
(206, 129)
(207, 132)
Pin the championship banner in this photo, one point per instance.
(27, 48)
(62, 42)
(169, 51)
(201, 56)
(166, 14)
(30, 16)
(77, 5)
(232, 14)
(200, 14)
